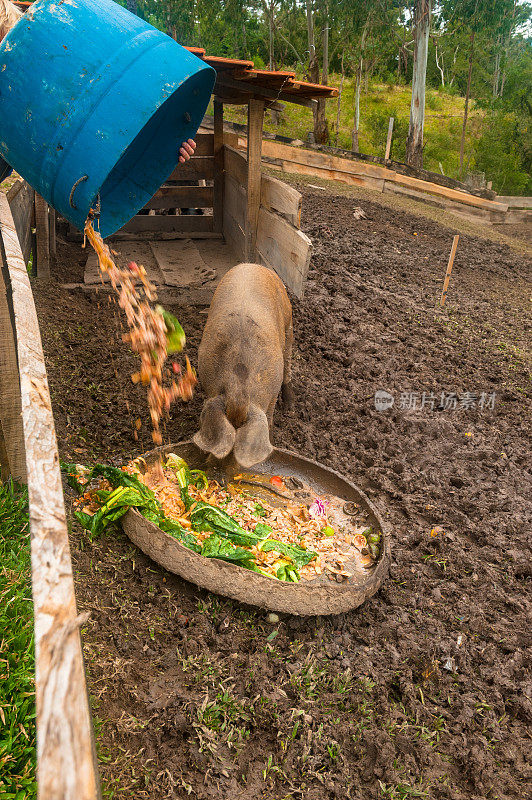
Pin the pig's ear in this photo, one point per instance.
(252, 444)
(216, 434)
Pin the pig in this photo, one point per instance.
(244, 360)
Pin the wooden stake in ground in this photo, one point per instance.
(389, 139)
(449, 270)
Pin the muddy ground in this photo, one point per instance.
(423, 692)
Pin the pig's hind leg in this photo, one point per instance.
(287, 394)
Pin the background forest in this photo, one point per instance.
(478, 102)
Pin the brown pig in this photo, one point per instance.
(243, 361)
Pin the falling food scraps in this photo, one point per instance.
(153, 333)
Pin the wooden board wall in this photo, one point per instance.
(195, 193)
(21, 198)
(279, 244)
(12, 455)
(66, 763)
(234, 215)
(309, 162)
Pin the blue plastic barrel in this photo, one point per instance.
(94, 101)
(5, 170)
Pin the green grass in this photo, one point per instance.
(443, 123)
(17, 664)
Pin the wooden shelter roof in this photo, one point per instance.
(264, 83)
(238, 80)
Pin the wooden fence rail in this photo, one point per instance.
(66, 763)
(388, 177)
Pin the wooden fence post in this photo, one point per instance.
(389, 139)
(42, 228)
(255, 123)
(449, 270)
(12, 455)
(218, 200)
(53, 242)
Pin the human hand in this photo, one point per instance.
(186, 150)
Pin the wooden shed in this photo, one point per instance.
(253, 216)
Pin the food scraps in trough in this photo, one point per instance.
(153, 333)
(285, 542)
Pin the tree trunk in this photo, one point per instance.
(358, 85)
(503, 81)
(506, 54)
(414, 141)
(321, 134)
(270, 19)
(339, 104)
(321, 126)
(439, 66)
(497, 70)
(356, 120)
(313, 65)
(466, 106)
(325, 41)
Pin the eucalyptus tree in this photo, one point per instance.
(414, 141)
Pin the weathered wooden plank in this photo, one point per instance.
(181, 263)
(332, 175)
(179, 223)
(53, 239)
(218, 140)
(275, 195)
(284, 248)
(514, 216)
(182, 197)
(66, 766)
(234, 235)
(235, 200)
(43, 237)
(204, 144)
(236, 164)
(324, 160)
(21, 199)
(13, 459)
(514, 202)
(474, 214)
(196, 167)
(449, 194)
(255, 125)
(5, 469)
(278, 196)
(14, 190)
(232, 139)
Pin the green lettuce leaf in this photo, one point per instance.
(175, 335)
(216, 547)
(297, 555)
